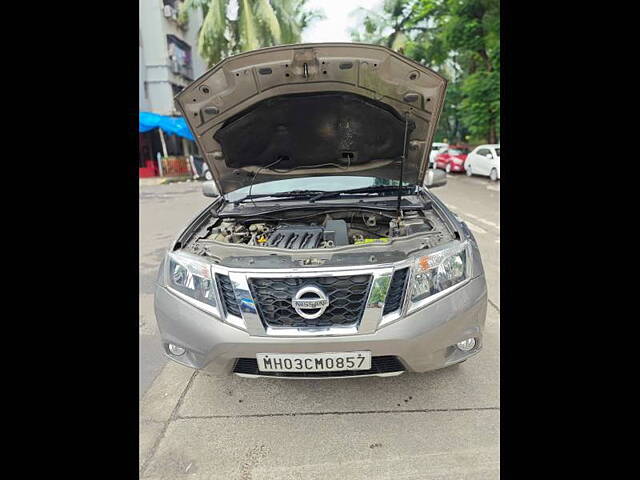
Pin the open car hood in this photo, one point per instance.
(314, 109)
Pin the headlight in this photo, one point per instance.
(439, 271)
(193, 280)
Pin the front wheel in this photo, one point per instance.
(493, 175)
(208, 175)
(468, 169)
(448, 168)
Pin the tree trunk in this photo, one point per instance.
(492, 133)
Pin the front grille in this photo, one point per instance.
(383, 364)
(347, 300)
(396, 291)
(226, 294)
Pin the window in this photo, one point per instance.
(484, 152)
(457, 151)
(179, 57)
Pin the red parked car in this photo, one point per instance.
(452, 159)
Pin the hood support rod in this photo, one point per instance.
(404, 152)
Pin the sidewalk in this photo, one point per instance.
(440, 424)
(163, 180)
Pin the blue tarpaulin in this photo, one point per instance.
(170, 125)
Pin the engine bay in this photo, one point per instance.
(296, 230)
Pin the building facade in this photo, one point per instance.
(168, 62)
(169, 59)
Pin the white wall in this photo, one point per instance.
(154, 28)
(143, 100)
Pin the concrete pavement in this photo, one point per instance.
(164, 210)
(443, 424)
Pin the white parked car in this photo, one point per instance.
(436, 148)
(484, 160)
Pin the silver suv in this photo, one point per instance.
(324, 254)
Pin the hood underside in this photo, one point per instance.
(315, 109)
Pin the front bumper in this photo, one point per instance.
(424, 340)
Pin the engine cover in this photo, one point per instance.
(296, 237)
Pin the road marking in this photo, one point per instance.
(475, 228)
(486, 222)
(491, 187)
(472, 226)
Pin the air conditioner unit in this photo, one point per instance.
(168, 11)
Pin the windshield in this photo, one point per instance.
(336, 183)
(457, 151)
(497, 151)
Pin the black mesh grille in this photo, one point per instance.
(347, 300)
(396, 291)
(226, 294)
(383, 364)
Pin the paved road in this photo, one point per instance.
(164, 210)
(442, 424)
(477, 201)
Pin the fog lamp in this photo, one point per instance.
(176, 350)
(466, 345)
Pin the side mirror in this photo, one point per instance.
(435, 178)
(489, 156)
(209, 189)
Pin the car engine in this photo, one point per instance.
(323, 230)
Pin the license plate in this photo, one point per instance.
(313, 362)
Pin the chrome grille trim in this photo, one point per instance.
(371, 320)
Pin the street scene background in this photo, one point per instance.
(442, 424)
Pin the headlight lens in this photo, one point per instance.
(439, 271)
(193, 279)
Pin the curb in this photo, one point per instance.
(163, 180)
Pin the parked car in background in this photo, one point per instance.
(436, 148)
(484, 160)
(200, 168)
(452, 158)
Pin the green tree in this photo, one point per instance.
(471, 31)
(458, 38)
(234, 26)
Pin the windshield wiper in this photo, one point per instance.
(373, 189)
(292, 193)
(314, 195)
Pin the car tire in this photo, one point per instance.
(468, 170)
(493, 175)
(208, 175)
(448, 168)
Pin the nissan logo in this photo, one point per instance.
(314, 300)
